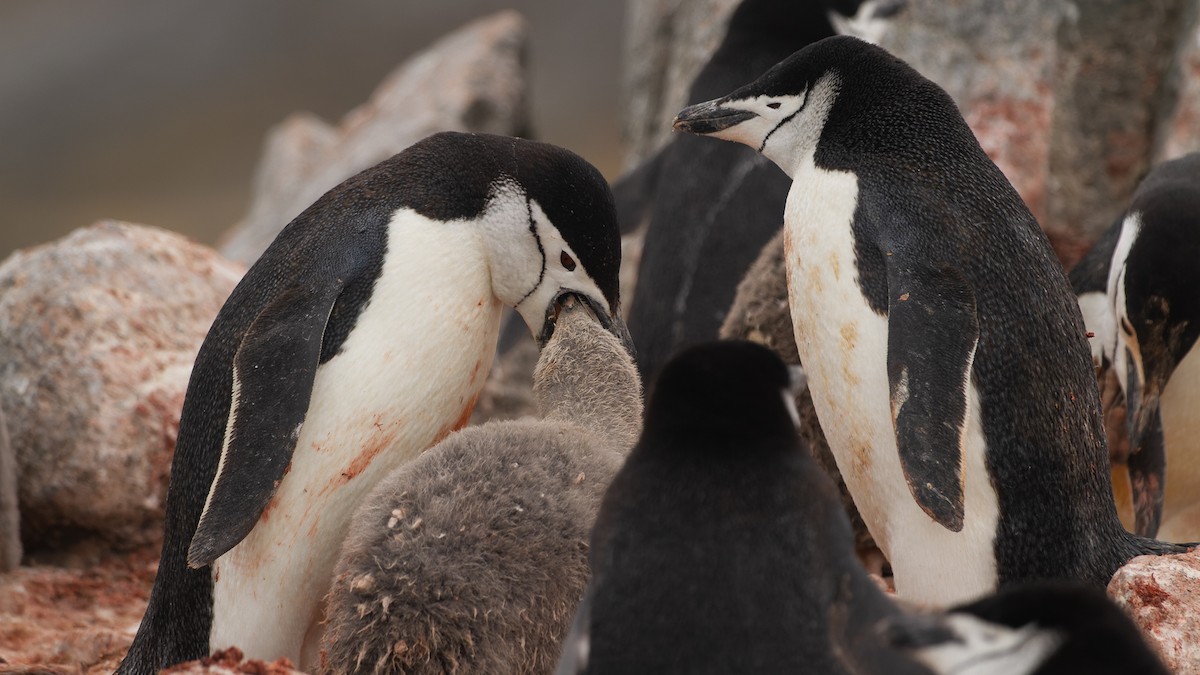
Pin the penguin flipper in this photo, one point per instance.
(932, 334)
(1147, 476)
(574, 656)
(273, 374)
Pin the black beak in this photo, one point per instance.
(709, 118)
(611, 322)
(1147, 461)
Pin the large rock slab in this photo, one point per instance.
(99, 331)
(1162, 594)
(1179, 129)
(470, 80)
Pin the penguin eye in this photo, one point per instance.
(774, 105)
(567, 261)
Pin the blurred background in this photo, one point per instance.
(155, 111)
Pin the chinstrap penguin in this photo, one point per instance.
(360, 338)
(1038, 629)
(1146, 320)
(943, 346)
(720, 546)
(709, 208)
(473, 556)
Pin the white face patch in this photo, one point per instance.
(1124, 340)
(1099, 321)
(869, 23)
(786, 135)
(986, 648)
(531, 262)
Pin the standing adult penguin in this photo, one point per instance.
(1149, 335)
(712, 207)
(359, 338)
(474, 555)
(720, 546)
(943, 347)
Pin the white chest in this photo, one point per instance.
(843, 346)
(406, 376)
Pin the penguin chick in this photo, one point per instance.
(760, 313)
(943, 346)
(360, 338)
(720, 546)
(1040, 629)
(1153, 294)
(472, 557)
(710, 208)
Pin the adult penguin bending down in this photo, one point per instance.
(712, 207)
(1138, 291)
(944, 349)
(359, 338)
(474, 555)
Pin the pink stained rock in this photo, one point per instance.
(98, 332)
(1162, 594)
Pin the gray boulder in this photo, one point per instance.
(98, 332)
(10, 519)
(470, 80)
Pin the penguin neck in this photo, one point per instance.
(586, 378)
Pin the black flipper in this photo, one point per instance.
(574, 655)
(273, 375)
(932, 333)
(633, 193)
(1147, 465)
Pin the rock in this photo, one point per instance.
(1179, 130)
(1162, 594)
(99, 331)
(470, 80)
(667, 43)
(10, 519)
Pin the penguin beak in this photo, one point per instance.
(1141, 410)
(571, 301)
(709, 118)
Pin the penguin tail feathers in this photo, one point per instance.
(1146, 546)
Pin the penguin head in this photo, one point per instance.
(546, 218)
(1153, 288)
(730, 390)
(840, 91)
(1041, 629)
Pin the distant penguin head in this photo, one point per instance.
(1036, 629)
(722, 390)
(786, 112)
(547, 220)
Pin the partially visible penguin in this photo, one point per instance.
(711, 208)
(760, 313)
(942, 344)
(720, 546)
(1038, 629)
(1148, 333)
(472, 557)
(360, 338)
